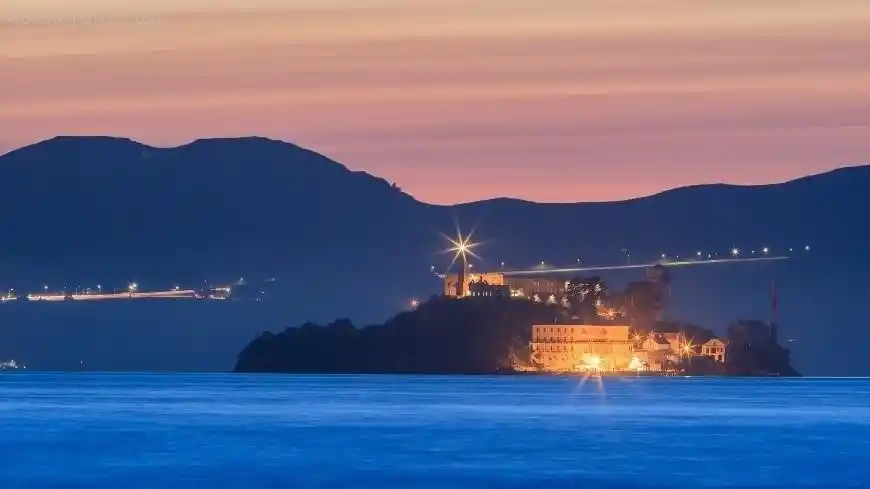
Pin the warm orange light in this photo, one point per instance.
(462, 246)
(687, 348)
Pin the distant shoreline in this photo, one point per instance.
(525, 374)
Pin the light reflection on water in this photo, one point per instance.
(145, 431)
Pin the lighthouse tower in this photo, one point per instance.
(460, 278)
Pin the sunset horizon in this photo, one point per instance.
(400, 184)
(559, 102)
(408, 244)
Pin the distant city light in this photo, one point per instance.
(133, 287)
(415, 303)
(735, 252)
(765, 250)
(807, 248)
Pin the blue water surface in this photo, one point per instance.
(128, 431)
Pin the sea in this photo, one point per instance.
(204, 431)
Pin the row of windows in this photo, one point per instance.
(571, 329)
(580, 349)
(552, 358)
(556, 358)
(572, 339)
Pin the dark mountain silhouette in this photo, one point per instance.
(85, 210)
(210, 206)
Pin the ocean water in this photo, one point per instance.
(133, 431)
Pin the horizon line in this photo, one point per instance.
(841, 168)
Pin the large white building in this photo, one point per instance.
(573, 347)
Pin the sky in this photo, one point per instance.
(546, 100)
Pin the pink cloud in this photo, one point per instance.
(555, 111)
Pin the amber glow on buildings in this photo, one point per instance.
(451, 281)
(579, 347)
(542, 288)
(585, 347)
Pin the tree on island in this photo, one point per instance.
(442, 335)
(584, 295)
(753, 350)
(644, 305)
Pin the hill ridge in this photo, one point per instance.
(209, 143)
(346, 243)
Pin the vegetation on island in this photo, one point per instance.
(443, 335)
(482, 335)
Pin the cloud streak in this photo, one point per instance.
(552, 100)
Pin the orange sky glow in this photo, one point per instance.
(551, 100)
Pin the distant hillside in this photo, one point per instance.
(222, 206)
(345, 243)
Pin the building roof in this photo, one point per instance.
(661, 340)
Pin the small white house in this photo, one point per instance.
(715, 349)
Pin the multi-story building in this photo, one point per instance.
(576, 347)
(656, 352)
(715, 349)
(677, 341)
(483, 288)
(451, 282)
(536, 288)
(543, 288)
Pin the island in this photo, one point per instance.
(497, 335)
